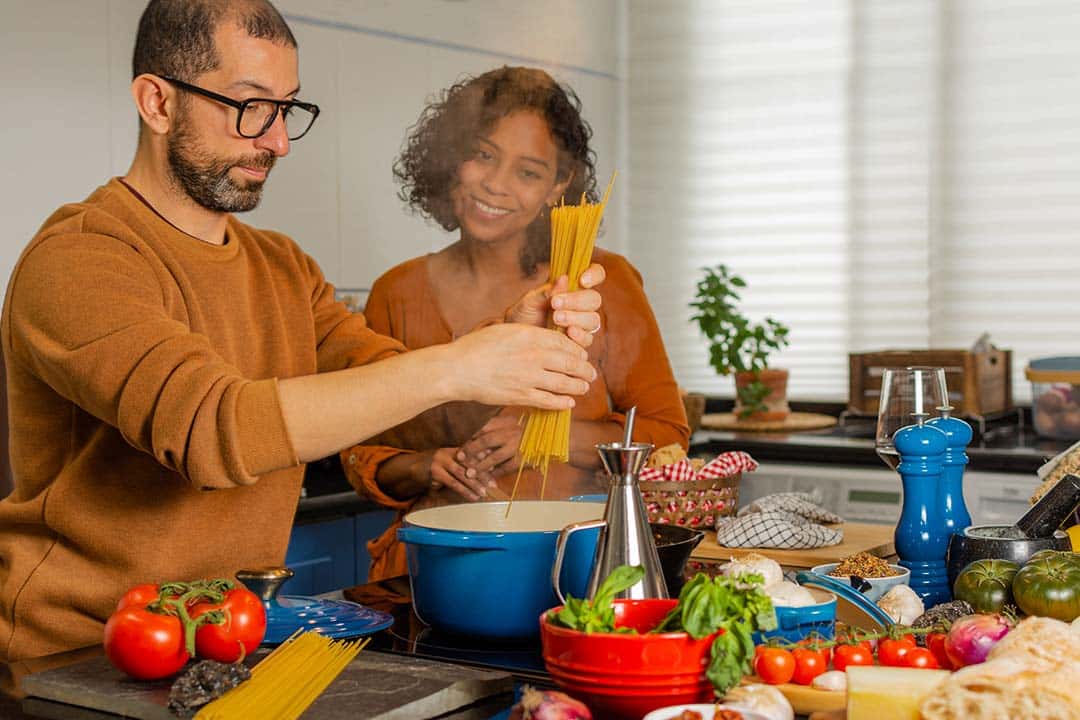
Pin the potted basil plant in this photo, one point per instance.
(741, 348)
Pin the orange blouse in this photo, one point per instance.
(628, 354)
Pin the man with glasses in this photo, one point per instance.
(170, 369)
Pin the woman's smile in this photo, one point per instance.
(490, 210)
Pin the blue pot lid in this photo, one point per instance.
(862, 605)
(333, 618)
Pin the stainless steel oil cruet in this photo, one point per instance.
(625, 536)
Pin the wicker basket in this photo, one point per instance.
(694, 503)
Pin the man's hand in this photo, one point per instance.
(512, 364)
(575, 311)
(493, 450)
(447, 472)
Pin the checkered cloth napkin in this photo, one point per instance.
(782, 520)
(723, 465)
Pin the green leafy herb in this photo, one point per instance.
(737, 606)
(598, 614)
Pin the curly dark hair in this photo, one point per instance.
(444, 136)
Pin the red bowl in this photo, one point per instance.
(628, 674)
(633, 703)
(619, 681)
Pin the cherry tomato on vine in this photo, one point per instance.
(774, 666)
(866, 645)
(146, 645)
(847, 655)
(935, 643)
(891, 652)
(241, 632)
(140, 595)
(817, 644)
(808, 665)
(918, 657)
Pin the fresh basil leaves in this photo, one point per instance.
(598, 614)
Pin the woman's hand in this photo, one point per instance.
(446, 471)
(576, 311)
(493, 450)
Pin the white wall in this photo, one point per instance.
(69, 123)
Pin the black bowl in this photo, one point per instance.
(674, 543)
(1002, 542)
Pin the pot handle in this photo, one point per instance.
(560, 551)
(440, 538)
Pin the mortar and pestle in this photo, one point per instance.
(1036, 530)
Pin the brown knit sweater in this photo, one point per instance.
(147, 441)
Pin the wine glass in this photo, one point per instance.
(907, 394)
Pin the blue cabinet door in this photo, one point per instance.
(323, 557)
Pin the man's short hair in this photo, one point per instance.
(176, 37)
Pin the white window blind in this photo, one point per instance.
(1008, 241)
(883, 173)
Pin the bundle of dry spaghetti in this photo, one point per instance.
(287, 681)
(546, 436)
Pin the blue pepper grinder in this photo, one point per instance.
(958, 434)
(921, 537)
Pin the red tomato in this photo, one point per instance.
(891, 652)
(815, 645)
(847, 655)
(241, 632)
(143, 644)
(918, 657)
(808, 665)
(774, 665)
(140, 596)
(935, 643)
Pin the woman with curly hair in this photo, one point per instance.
(488, 160)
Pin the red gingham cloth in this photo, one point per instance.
(723, 465)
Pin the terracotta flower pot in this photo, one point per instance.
(776, 405)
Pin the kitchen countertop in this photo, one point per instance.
(1004, 447)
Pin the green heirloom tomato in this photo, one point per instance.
(1050, 586)
(986, 584)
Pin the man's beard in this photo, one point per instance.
(205, 178)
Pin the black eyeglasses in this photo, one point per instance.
(254, 116)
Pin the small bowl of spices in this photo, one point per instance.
(869, 574)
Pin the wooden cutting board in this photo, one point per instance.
(374, 686)
(858, 537)
(792, 423)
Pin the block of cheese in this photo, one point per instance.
(889, 693)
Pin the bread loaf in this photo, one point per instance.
(1033, 672)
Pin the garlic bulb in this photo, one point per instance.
(755, 564)
(835, 680)
(764, 699)
(788, 594)
(901, 604)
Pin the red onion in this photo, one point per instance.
(548, 705)
(971, 638)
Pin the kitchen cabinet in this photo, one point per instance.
(331, 554)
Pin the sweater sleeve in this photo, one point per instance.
(344, 339)
(361, 462)
(118, 355)
(633, 360)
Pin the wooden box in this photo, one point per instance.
(980, 383)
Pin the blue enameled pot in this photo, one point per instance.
(475, 572)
